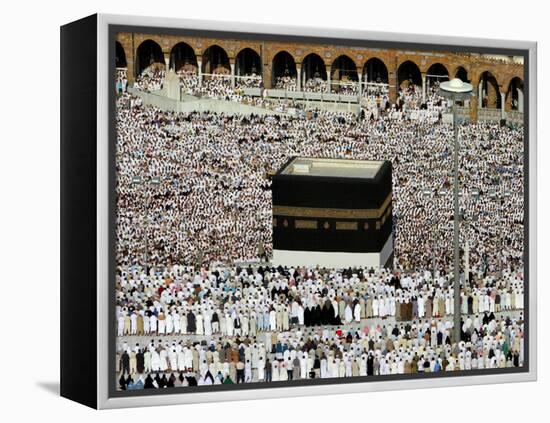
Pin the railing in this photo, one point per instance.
(514, 116)
(515, 60)
(158, 99)
(302, 95)
(485, 115)
(463, 113)
(489, 114)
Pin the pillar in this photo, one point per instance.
(392, 81)
(503, 105)
(509, 99)
(299, 77)
(130, 70)
(474, 108)
(199, 66)
(267, 75)
(480, 95)
(232, 64)
(328, 78)
(423, 87)
(360, 90)
(167, 61)
(491, 92)
(520, 100)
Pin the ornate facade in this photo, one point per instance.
(497, 80)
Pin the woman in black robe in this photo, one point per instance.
(307, 316)
(284, 291)
(317, 315)
(148, 383)
(325, 314)
(140, 362)
(191, 323)
(370, 365)
(516, 359)
(171, 381)
(122, 382)
(158, 380)
(125, 360)
(129, 380)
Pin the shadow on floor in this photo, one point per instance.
(51, 387)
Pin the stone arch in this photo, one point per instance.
(435, 74)
(120, 56)
(375, 70)
(182, 56)
(283, 64)
(490, 92)
(343, 71)
(514, 94)
(408, 72)
(313, 66)
(215, 61)
(342, 68)
(248, 62)
(461, 73)
(149, 54)
(509, 78)
(437, 71)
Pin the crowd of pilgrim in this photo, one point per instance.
(193, 199)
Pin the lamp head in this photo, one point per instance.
(456, 85)
(456, 89)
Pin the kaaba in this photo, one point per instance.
(333, 213)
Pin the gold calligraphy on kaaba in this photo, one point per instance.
(334, 213)
(305, 224)
(347, 226)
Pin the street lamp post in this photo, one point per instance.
(427, 193)
(456, 90)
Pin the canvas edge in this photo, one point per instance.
(103, 399)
